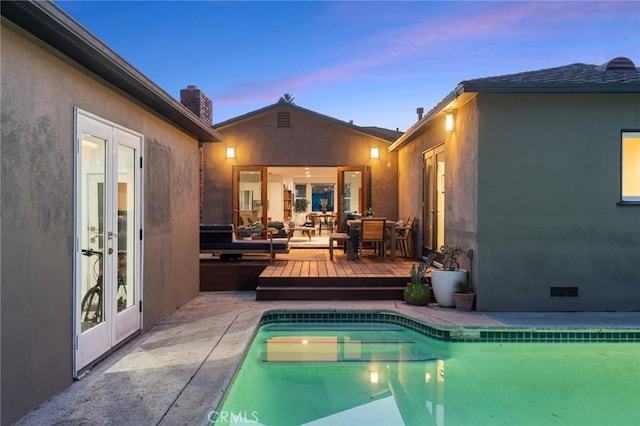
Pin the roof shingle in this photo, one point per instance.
(617, 71)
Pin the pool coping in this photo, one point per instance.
(467, 333)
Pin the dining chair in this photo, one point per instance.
(403, 240)
(372, 230)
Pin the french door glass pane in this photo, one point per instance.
(440, 198)
(126, 227)
(93, 195)
(351, 190)
(250, 196)
(429, 203)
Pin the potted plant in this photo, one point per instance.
(464, 296)
(300, 206)
(324, 202)
(417, 291)
(444, 280)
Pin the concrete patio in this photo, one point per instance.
(176, 373)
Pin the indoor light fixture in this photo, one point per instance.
(448, 122)
(231, 152)
(375, 152)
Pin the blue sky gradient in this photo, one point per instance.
(370, 62)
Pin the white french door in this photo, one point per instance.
(107, 279)
(434, 198)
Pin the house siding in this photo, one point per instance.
(40, 89)
(310, 141)
(549, 181)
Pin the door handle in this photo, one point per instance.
(112, 235)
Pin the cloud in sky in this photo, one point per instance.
(451, 32)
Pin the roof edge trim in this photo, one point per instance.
(47, 22)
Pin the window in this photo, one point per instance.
(319, 192)
(301, 191)
(630, 167)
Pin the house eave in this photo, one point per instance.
(631, 87)
(45, 21)
(352, 127)
(455, 97)
(468, 89)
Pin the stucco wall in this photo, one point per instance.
(460, 149)
(39, 91)
(549, 181)
(310, 141)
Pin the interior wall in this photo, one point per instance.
(275, 195)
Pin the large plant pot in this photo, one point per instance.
(444, 284)
(464, 301)
(417, 294)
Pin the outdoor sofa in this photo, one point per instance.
(221, 240)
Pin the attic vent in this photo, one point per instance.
(620, 64)
(284, 119)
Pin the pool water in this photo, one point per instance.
(384, 374)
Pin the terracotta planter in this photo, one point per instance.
(464, 301)
(444, 284)
(417, 294)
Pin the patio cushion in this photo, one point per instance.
(218, 236)
(280, 227)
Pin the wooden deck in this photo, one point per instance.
(308, 274)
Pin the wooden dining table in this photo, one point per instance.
(355, 224)
(326, 219)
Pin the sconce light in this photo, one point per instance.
(375, 152)
(231, 152)
(448, 122)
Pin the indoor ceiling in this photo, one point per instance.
(314, 173)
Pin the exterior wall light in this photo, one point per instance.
(231, 152)
(375, 152)
(448, 122)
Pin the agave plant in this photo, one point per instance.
(417, 272)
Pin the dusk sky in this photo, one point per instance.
(370, 62)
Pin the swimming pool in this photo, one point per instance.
(384, 369)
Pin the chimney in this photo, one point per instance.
(420, 111)
(198, 103)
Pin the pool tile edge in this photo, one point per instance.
(454, 333)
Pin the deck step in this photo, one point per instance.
(329, 293)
